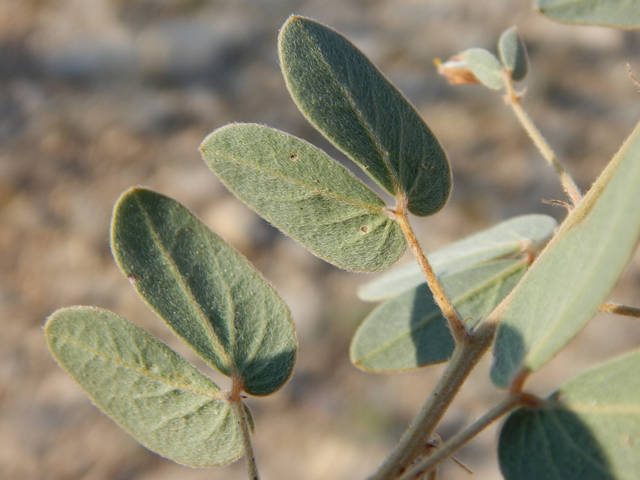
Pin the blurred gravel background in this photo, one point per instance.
(100, 95)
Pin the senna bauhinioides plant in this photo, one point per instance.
(452, 306)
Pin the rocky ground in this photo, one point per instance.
(100, 95)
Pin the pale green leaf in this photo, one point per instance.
(575, 272)
(204, 290)
(588, 430)
(611, 13)
(513, 54)
(306, 194)
(145, 387)
(352, 103)
(485, 66)
(409, 331)
(518, 234)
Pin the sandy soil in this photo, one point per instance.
(100, 95)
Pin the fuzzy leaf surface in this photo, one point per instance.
(164, 402)
(306, 194)
(205, 291)
(513, 54)
(517, 234)
(576, 271)
(588, 430)
(409, 331)
(610, 13)
(352, 104)
(485, 66)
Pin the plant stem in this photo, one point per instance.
(235, 399)
(461, 439)
(465, 357)
(620, 309)
(456, 325)
(514, 100)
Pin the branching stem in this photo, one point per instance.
(439, 295)
(235, 398)
(514, 100)
(411, 446)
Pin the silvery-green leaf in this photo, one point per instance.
(204, 290)
(149, 390)
(352, 103)
(612, 13)
(409, 330)
(485, 66)
(509, 237)
(588, 430)
(576, 271)
(306, 194)
(513, 54)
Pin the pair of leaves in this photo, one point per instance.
(304, 192)
(588, 429)
(574, 274)
(611, 13)
(409, 330)
(211, 298)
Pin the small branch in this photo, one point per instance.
(461, 439)
(620, 309)
(235, 399)
(411, 446)
(513, 99)
(456, 325)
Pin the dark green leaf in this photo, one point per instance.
(204, 290)
(409, 331)
(145, 387)
(352, 103)
(575, 272)
(612, 13)
(518, 234)
(513, 54)
(306, 194)
(588, 430)
(485, 66)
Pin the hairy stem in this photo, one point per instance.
(411, 446)
(439, 295)
(447, 450)
(568, 184)
(235, 399)
(620, 309)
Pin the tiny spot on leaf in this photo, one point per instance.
(132, 278)
(364, 229)
(293, 157)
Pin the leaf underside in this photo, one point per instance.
(485, 66)
(204, 290)
(513, 54)
(149, 390)
(356, 108)
(611, 13)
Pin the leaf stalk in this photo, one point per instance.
(235, 398)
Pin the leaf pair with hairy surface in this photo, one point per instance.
(210, 297)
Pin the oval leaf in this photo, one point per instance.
(611, 13)
(204, 290)
(352, 103)
(513, 54)
(589, 429)
(485, 66)
(575, 272)
(145, 387)
(409, 331)
(518, 234)
(306, 194)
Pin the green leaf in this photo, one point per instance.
(513, 54)
(204, 290)
(352, 103)
(588, 430)
(517, 234)
(145, 387)
(611, 13)
(485, 66)
(574, 274)
(409, 331)
(306, 194)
